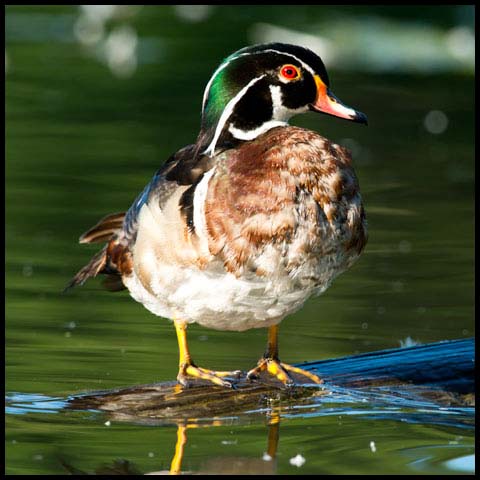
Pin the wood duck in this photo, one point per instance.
(239, 229)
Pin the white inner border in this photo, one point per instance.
(210, 150)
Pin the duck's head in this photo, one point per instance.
(261, 87)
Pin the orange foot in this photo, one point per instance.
(189, 370)
(280, 371)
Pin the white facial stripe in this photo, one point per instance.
(223, 65)
(305, 65)
(209, 84)
(226, 114)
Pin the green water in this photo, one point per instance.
(81, 142)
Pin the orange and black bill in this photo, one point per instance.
(326, 102)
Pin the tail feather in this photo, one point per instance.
(104, 229)
(92, 269)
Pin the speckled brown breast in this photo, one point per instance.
(291, 188)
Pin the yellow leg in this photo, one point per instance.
(273, 435)
(271, 363)
(176, 465)
(188, 369)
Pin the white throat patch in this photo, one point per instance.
(280, 117)
(280, 112)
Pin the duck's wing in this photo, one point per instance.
(119, 230)
(184, 168)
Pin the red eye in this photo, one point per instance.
(290, 72)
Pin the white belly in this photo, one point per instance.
(217, 299)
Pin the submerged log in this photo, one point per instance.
(442, 373)
(447, 365)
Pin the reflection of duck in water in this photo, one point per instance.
(228, 465)
(221, 465)
(237, 230)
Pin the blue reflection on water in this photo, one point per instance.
(21, 403)
(462, 464)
